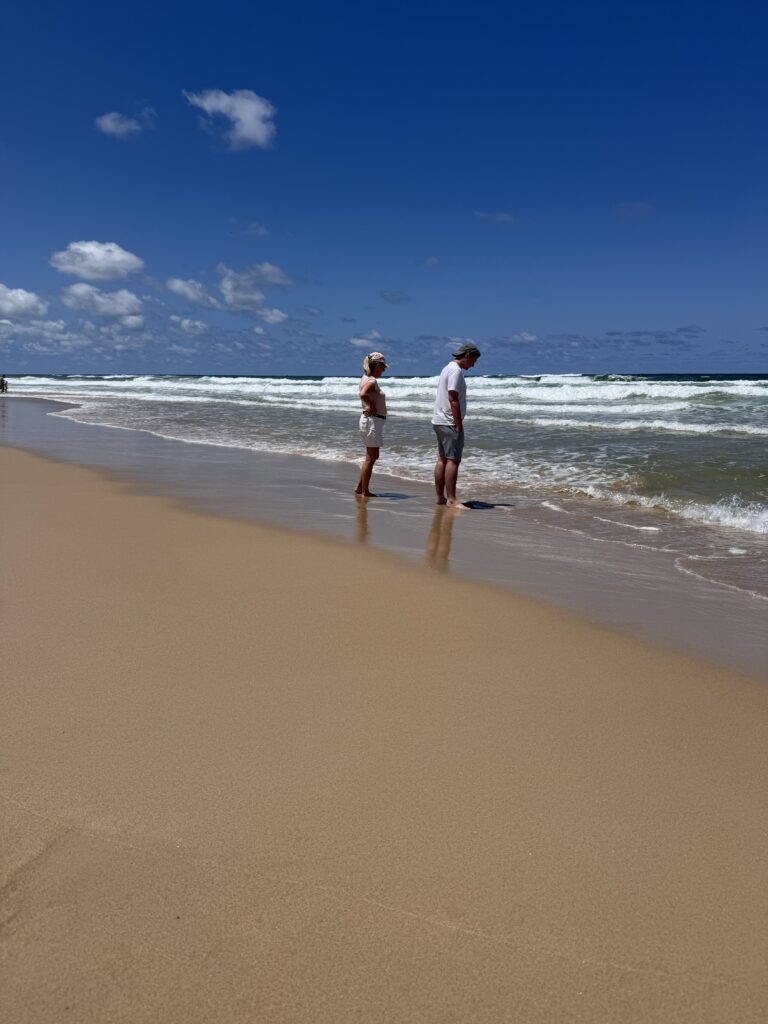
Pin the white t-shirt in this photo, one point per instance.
(451, 379)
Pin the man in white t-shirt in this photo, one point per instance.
(448, 422)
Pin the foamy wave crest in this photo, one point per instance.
(674, 426)
(733, 512)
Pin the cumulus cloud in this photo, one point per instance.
(118, 125)
(192, 291)
(272, 274)
(121, 127)
(19, 302)
(244, 289)
(496, 216)
(190, 326)
(521, 338)
(395, 298)
(92, 300)
(272, 316)
(241, 290)
(42, 336)
(96, 261)
(132, 323)
(250, 116)
(365, 340)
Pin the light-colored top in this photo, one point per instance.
(451, 379)
(377, 395)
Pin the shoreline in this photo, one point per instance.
(252, 774)
(625, 586)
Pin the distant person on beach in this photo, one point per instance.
(372, 418)
(448, 423)
(3, 385)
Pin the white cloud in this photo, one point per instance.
(96, 261)
(192, 291)
(272, 274)
(250, 116)
(365, 340)
(525, 336)
(42, 336)
(19, 302)
(190, 326)
(272, 316)
(245, 289)
(132, 323)
(240, 290)
(259, 330)
(92, 300)
(118, 125)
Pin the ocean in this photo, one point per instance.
(675, 463)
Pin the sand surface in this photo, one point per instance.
(250, 776)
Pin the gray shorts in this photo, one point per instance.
(450, 442)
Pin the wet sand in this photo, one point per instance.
(250, 775)
(632, 587)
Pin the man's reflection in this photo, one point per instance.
(440, 538)
(363, 533)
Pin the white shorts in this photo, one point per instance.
(371, 431)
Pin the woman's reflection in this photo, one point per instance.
(363, 533)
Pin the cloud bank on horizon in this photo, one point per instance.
(566, 227)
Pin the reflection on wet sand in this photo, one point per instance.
(440, 539)
(363, 532)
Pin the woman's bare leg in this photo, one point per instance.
(371, 455)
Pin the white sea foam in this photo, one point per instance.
(572, 434)
(673, 426)
(731, 512)
(629, 526)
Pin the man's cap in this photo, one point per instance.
(467, 349)
(376, 357)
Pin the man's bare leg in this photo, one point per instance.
(440, 480)
(371, 455)
(451, 476)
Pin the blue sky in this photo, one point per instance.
(245, 189)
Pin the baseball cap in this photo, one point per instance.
(467, 349)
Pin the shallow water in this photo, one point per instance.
(627, 577)
(670, 463)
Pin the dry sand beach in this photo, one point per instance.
(250, 775)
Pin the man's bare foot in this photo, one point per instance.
(453, 503)
(441, 501)
(366, 494)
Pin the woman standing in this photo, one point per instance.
(372, 418)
